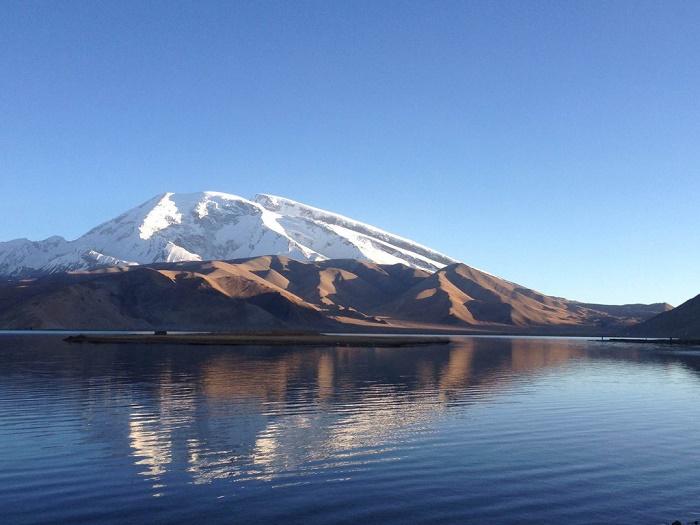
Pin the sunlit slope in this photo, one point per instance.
(214, 226)
(279, 292)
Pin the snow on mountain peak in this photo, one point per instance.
(215, 225)
(341, 224)
(160, 217)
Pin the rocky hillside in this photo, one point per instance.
(683, 322)
(271, 292)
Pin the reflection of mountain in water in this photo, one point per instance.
(282, 413)
(257, 414)
(152, 428)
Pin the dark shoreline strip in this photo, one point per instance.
(657, 341)
(263, 340)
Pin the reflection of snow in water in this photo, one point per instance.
(261, 424)
(151, 434)
(327, 436)
(206, 466)
(353, 437)
(152, 447)
(541, 429)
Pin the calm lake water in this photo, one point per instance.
(485, 430)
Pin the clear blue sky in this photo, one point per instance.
(556, 144)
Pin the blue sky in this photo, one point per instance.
(556, 144)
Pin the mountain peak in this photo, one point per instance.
(216, 225)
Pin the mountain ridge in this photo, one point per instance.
(682, 322)
(279, 292)
(361, 271)
(212, 225)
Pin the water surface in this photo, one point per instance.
(490, 430)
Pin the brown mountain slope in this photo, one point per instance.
(459, 294)
(218, 297)
(344, 283)
(341, 287)
(638, 312)
(272, 292)
(683, 321)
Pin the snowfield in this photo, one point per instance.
(212, 225)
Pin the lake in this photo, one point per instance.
(484, 430)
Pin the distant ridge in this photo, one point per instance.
(278, 292)
(681, 322)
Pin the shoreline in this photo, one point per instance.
(394, 330)
(668, 341)
(261, 339)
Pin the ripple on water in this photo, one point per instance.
(497, 430)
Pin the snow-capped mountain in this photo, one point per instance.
(211, 225)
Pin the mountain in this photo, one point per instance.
(218, 261)
(279, 292)
(637, 311)
(459, 294)
(215, 226)
(683, 321)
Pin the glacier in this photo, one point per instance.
(213, 225)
